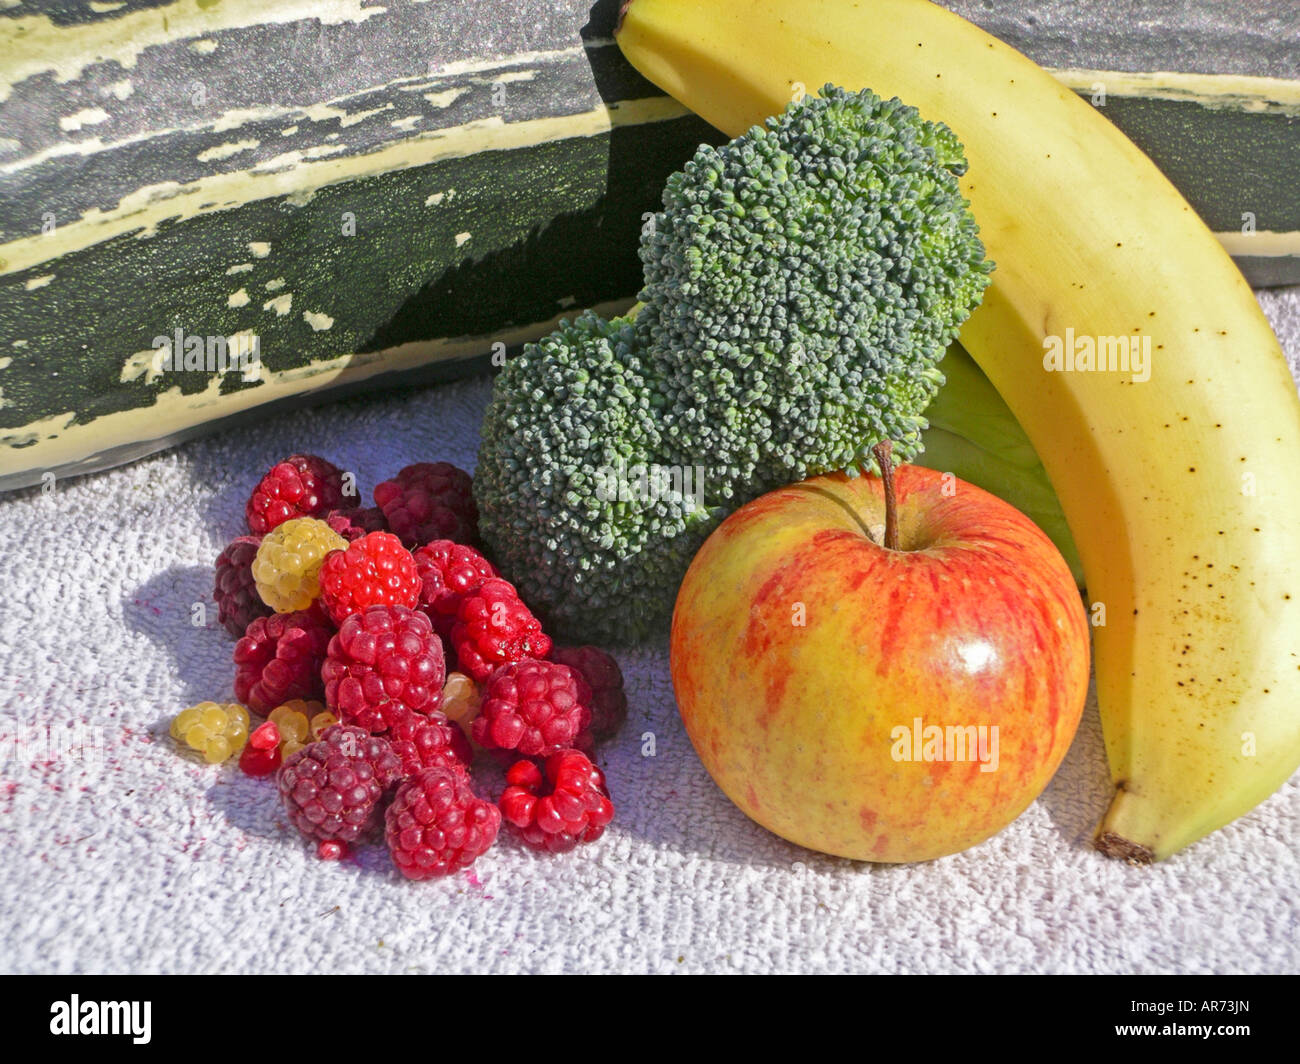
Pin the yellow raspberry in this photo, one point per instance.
(321, 721)
(237, 729)
(214, 718)
(213, 729)
(291, 723)
(194, 726)
(286, 569)
(184, 721)
(461, 699)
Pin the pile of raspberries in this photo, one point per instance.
(374, 609)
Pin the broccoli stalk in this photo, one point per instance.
(801, 286)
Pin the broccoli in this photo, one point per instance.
(803, 282)
(801, 286)
(571, 486)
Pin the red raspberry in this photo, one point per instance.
(375, 570)
(535, 707)
(303, 485)
(427, 501)
(424, 741)
(331, 788)
(381, 662)
(279, 659)
(261, 754)
(570, 805)
(438, 825)
(493, 627)
(238, 603)
(608, 700)
(356, 521)
(448, 572)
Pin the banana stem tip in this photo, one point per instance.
(1113, 845)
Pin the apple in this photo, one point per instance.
(881, 697)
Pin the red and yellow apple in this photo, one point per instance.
(874, 703)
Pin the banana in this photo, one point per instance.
(1177, 473)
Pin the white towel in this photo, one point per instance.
(147, 861)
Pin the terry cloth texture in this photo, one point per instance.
(148, 861)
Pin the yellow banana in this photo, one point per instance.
(1178, 473)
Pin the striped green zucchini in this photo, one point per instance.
(408, 185)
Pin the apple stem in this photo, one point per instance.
(884, 452)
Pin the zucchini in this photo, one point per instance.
(365, 224)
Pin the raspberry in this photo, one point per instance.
(331, 788)
(375, 570)
(320, 721)
(353, 522)
(461, 700)
(287, 567)
(266, 736)
(438, 825)
(307, 707)
(292, 723)
(535, 707)
(493, 627)
(262, 755)
(238, 603)
(279, 659)
(448, 572)
(608, 701)
(258, 763)
(570, 805)
(215, 731)
(382, 661)
(332, 850)
(422, 742)
(303, 485)
(427, 501)
(300, 722)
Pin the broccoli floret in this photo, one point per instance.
(575, 493)
(801, 285)
(803, 282)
